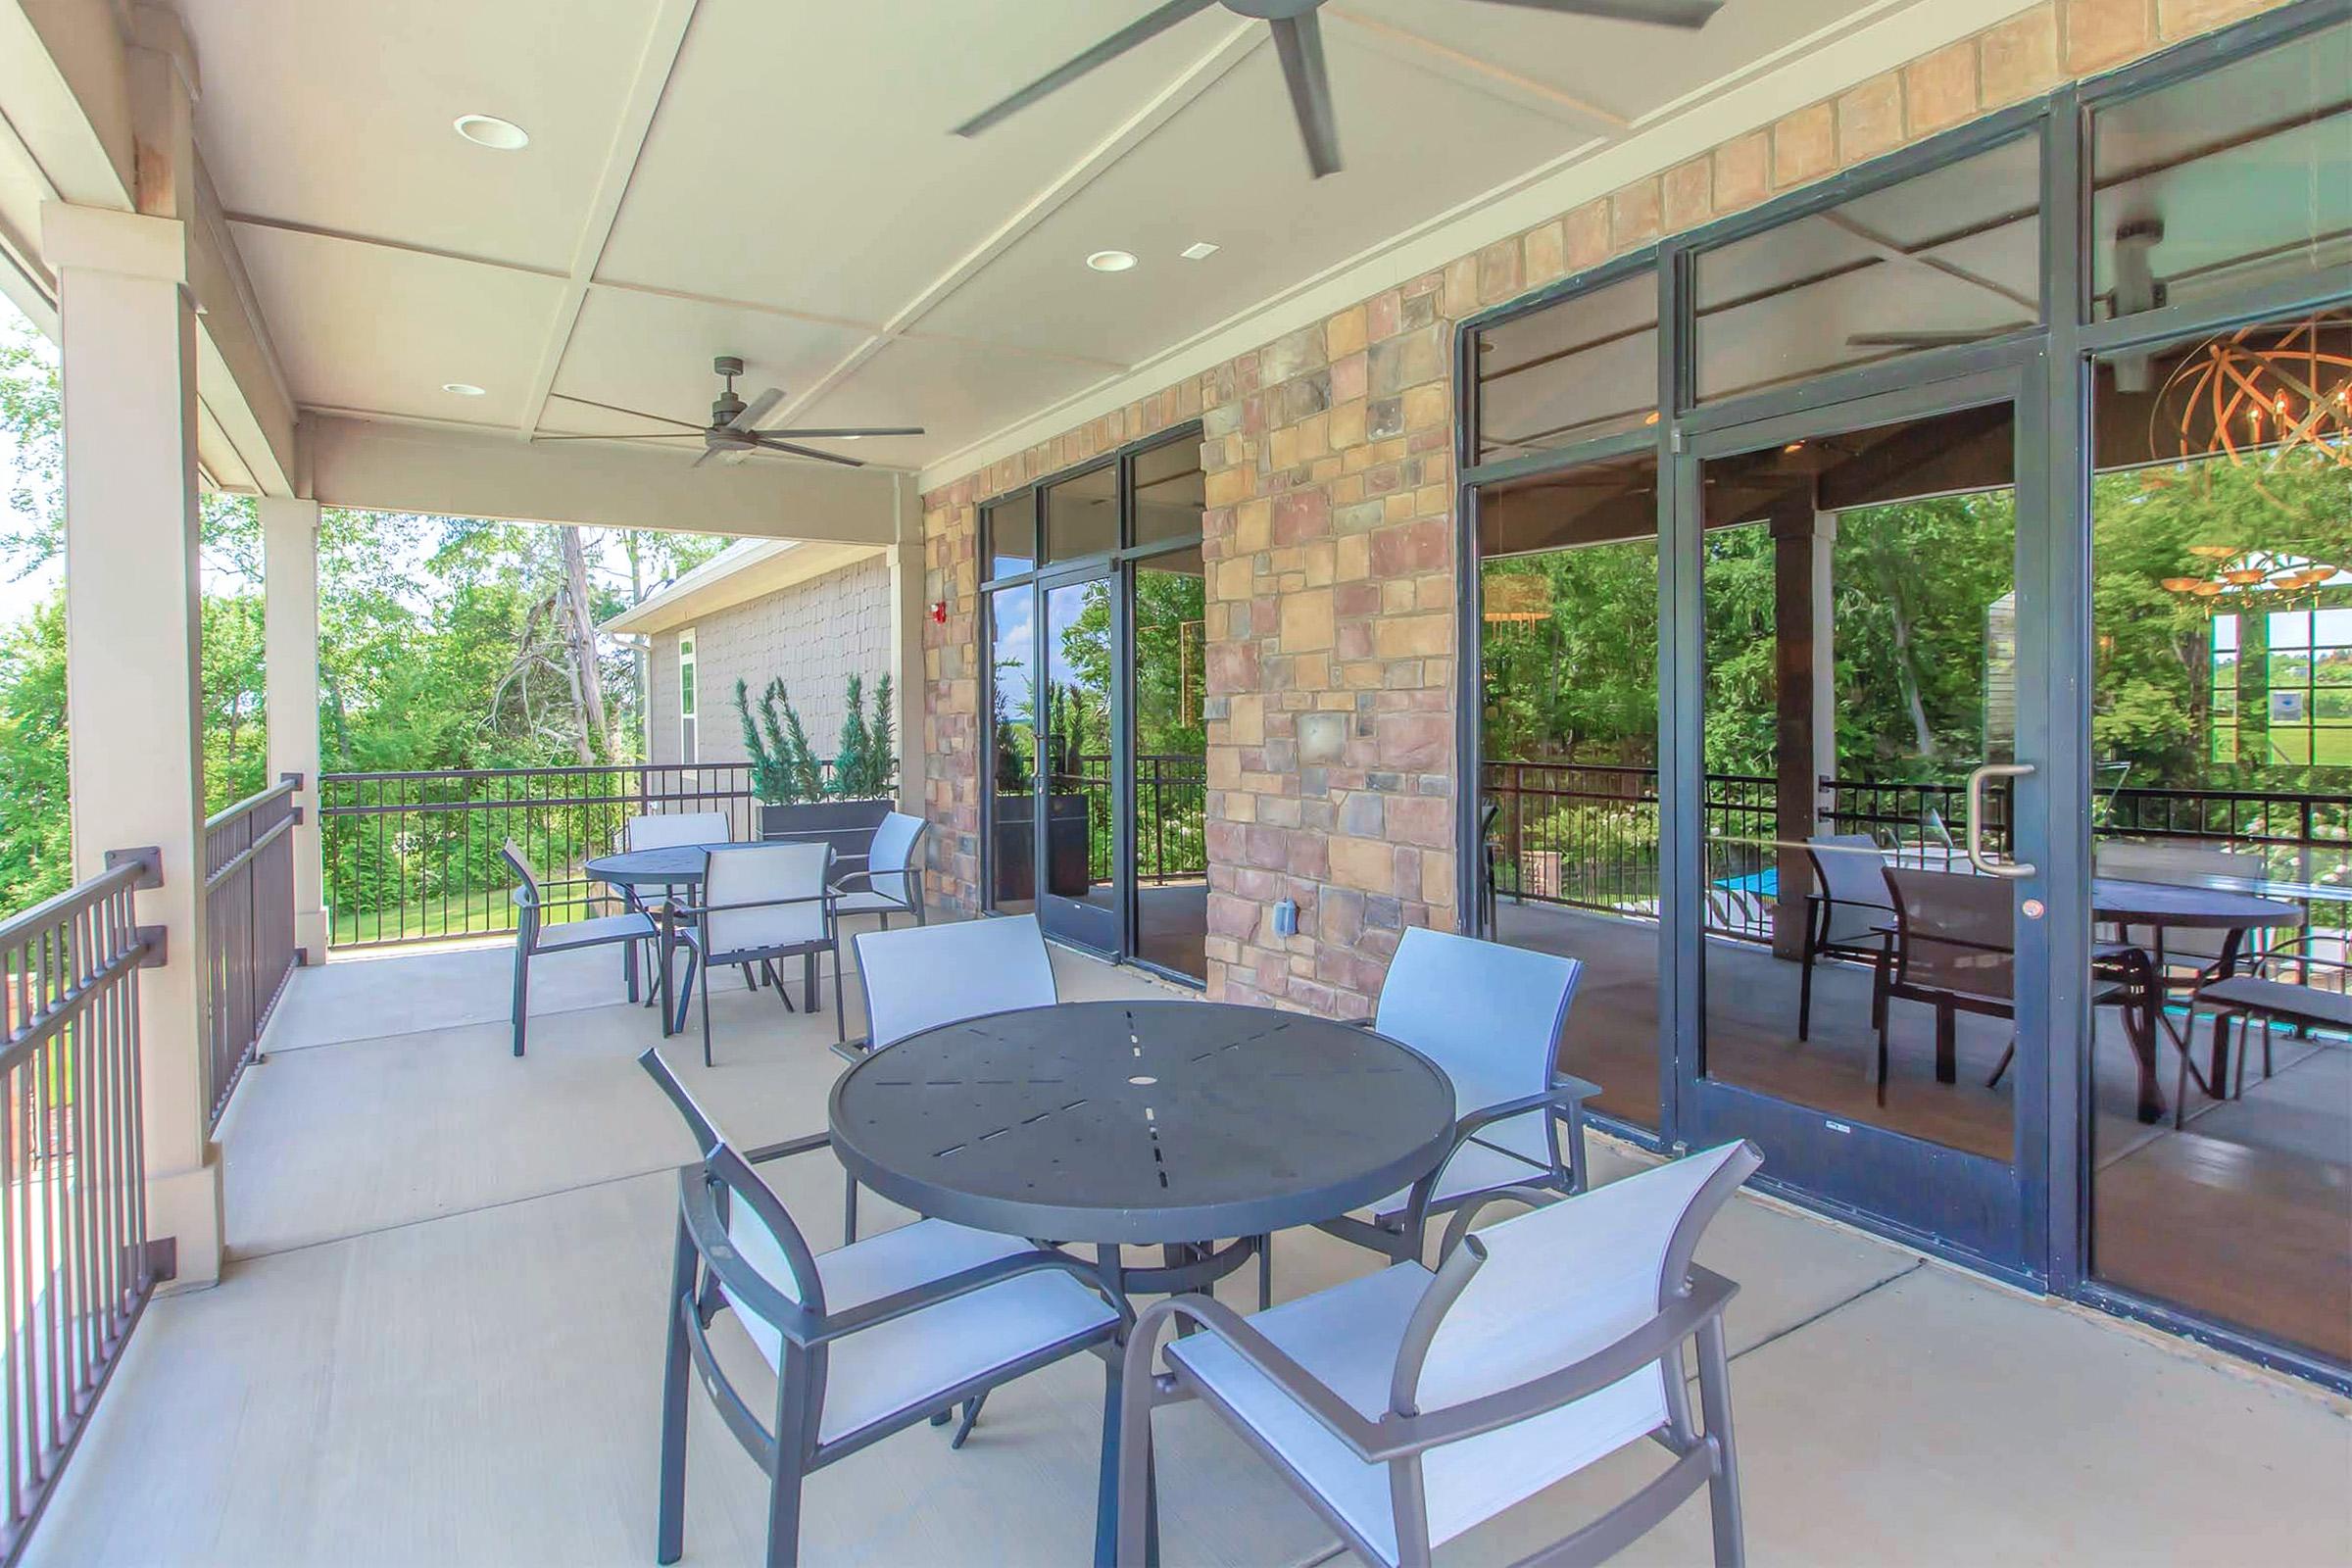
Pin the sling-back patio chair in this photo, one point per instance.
(920, 978)
(761, 902)
(1408, 1406)
(864, 1341)
(1846, 914)
(890, 881)
(532, 936)
(662, 830)
(1492, 1016)
(2318, 996)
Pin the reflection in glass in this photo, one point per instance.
(1013, 708)
(2221, 742)
(1008, 535)
(1076, 737)
(2234, 179)
(1568, 648)
(1082, 514)
(1854, 964)
(1583, 368)
(1171, 491)
(1172, 763)
(1950, 256)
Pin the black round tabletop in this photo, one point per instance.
(2170, 904)
(673, 864)
(1141, 1122)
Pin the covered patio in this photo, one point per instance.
(437, 1340)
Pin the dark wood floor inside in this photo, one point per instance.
(2245, 1215)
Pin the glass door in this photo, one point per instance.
(1866, 1007)
(1077, 780)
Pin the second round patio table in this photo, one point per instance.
(1169, 1123)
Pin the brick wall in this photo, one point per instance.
(1330, 537)
(815, 634)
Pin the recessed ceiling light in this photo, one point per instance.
(1112, 261)
(1199, 251)
(488, 130)
(464, 389)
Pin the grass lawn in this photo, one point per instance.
(482, 912)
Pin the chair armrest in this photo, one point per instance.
(524, 898)
(869, 1315)
(1565, 1092)
(788, 1148)
(700, 909)
(867, 879)
(1703, 1297)
(839, 856)
(1336, 1415)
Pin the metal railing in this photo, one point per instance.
(412, 857)
(1171, 812)
(248, 927)
(76, 1267)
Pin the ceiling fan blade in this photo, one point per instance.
(1298, 43)
(628, 435)
(767, 444)
(1918, 340)
(1661, 13)
(708, 454)
(634, 414)
(1118, 43)
(862, 429)
(756, 410)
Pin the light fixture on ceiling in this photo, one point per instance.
(488, 130)
(1112, 261)
(463, 389)
(1200, 250)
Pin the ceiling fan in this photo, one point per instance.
(733, 430)
(1298, 43)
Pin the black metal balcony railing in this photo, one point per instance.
(75, 1268)
(248, 927)
(1586, 835)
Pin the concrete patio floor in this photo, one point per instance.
(438, 1341)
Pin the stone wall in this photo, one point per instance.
(815, 634)
(1330, 536)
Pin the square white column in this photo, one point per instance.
(290, 656)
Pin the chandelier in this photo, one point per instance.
(2267, 388)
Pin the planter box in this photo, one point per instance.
(848, 825)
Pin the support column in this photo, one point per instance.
(133, 656)
(290, 652)
(1805, 666)
(907, 681)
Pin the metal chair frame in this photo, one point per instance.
(707, 1274)
(527, 945)
(700, 962)
(1691, 1305)
(2242, 1007)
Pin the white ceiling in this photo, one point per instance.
(775, 179)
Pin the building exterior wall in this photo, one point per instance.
(815, 634)
(1330, 537)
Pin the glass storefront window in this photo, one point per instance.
(1585, 367)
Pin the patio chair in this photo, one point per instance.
(661, 830)
(2253, 992)
(1846, 914)
(1492, 1016)
(917, 980)
(1407, 1407)
(1953, 948)
(891, 881)
(864, 1341)
(761, 902)
(532, 936)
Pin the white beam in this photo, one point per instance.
(290, 660)
(378, 466)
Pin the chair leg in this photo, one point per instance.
(1715, 1405)
(751, 978)
(2180, 1076)
(522, 993)
(841, 1008)
(809, 981)
(1805, 997)
(793, 1419)
(2008, 1054)
(971, 1419)
(629, 968)
(705, 995)
(1265, 1271)
(677, 1381)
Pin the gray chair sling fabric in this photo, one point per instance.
(1407, 1407)
(1846, 914)
(762, 902)
(532, 936)
(890, 880)
(864, 1341)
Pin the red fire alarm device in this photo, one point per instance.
(939, 611)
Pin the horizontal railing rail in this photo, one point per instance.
(75, 1265)
(248, 928)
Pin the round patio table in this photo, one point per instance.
(2195, 903)
(1174, 1123)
